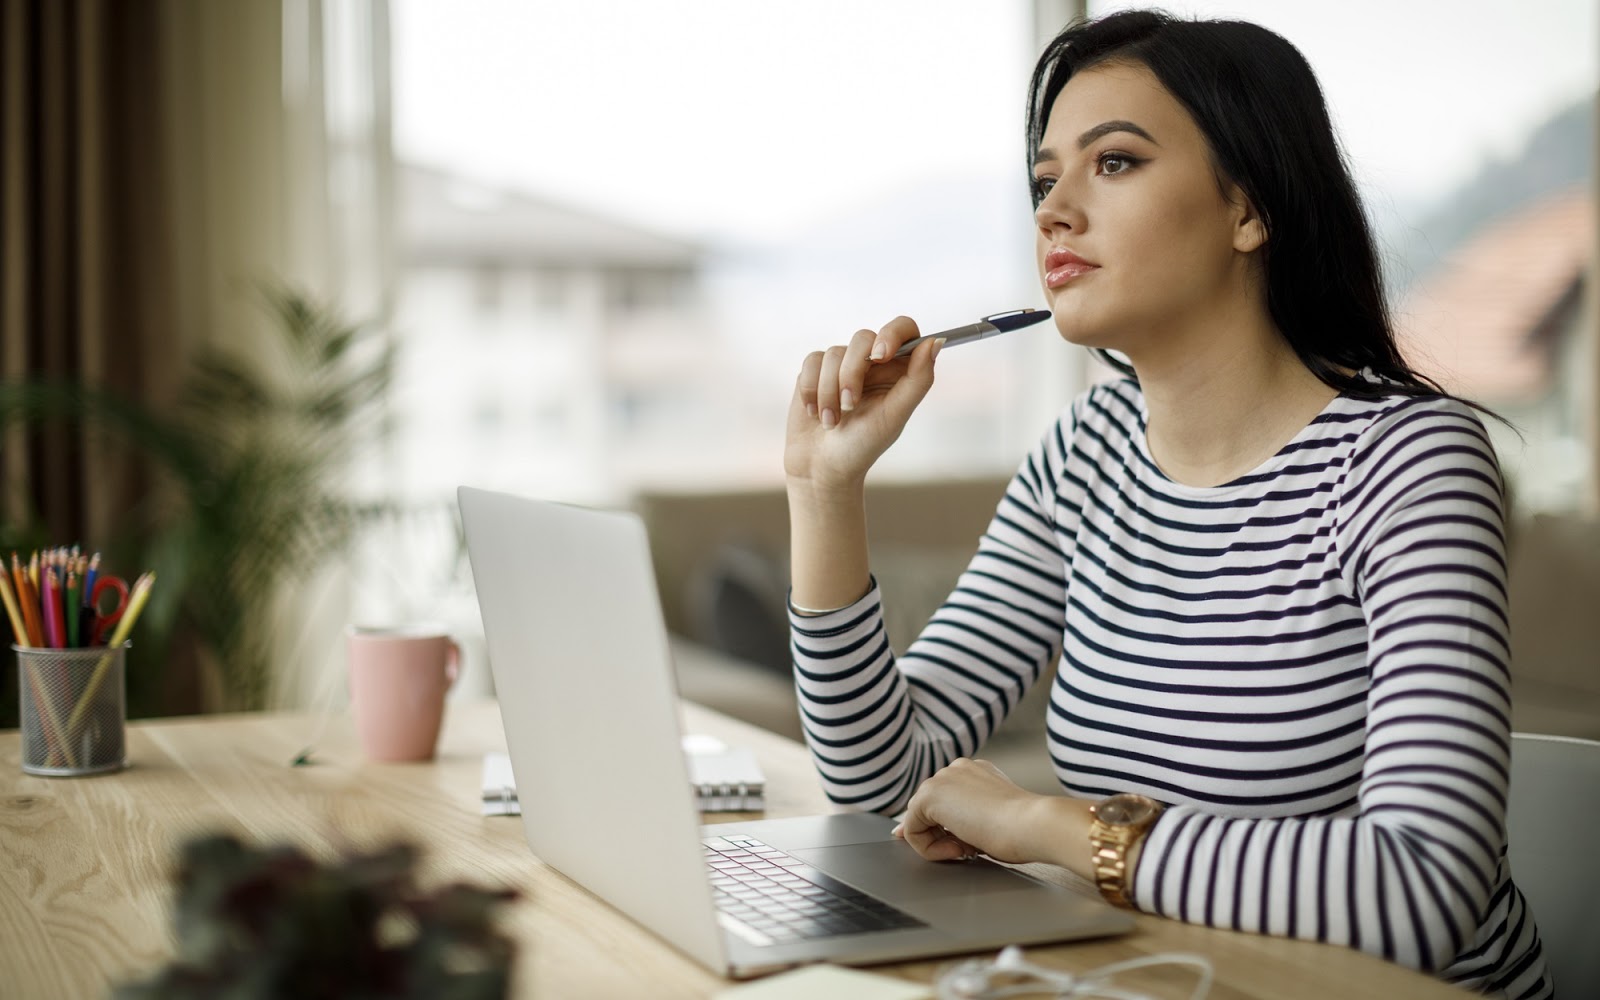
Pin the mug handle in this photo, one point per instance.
(452, 664)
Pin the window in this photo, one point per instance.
(641, 290)
(1476, 164)
(703, 195)
(549, 288)
(486, 290)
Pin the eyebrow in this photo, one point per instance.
(1102, 129)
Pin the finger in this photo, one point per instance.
(951, 848)
(853, 369)
(919, 831)
(938, 844)
(828, 387)
(909, 390)
(805, 387)
(894, 333)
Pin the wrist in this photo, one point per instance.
(1058, 833)
(809, 496)
(828, 565)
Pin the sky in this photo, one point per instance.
(751, 121)
(732, 117)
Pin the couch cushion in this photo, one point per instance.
(1555, 601)
(1555, 625)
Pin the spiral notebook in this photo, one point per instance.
(725, 779)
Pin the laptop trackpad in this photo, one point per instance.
(893, 870)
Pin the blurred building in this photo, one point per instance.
(544, 349)
(1500, 322)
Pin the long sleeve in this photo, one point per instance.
(877, 724)
(1412, 873)
(1309, 664)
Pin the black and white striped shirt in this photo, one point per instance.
(1309, 664)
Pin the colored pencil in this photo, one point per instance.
(73, 608)
(50, 601)
(137, 597)
(19, 628)
(30, 604)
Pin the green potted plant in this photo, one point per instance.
(260, 924)
(247, 461)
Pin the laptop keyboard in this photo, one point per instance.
(768, 897)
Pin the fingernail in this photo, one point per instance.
(879, 349)
(938, 345)
(847, 400)
(828, 419)
(811, 410)
(898, 829)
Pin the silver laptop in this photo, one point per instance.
(588, 697)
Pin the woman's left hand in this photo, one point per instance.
(971, 807)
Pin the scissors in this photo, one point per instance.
(102, 621)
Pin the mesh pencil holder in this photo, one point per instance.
(73, 710)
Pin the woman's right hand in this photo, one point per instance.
(851, 402)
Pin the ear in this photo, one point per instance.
(1249, 229)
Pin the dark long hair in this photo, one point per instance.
(1256, 100)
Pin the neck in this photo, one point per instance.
(1225, 397)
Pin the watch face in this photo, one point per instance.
(1126, 810)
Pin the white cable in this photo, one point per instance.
(1199, 963)
(975, 979)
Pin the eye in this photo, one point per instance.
(1041, 187)
(1112, 164)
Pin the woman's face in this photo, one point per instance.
(1135, 238)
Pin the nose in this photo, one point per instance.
(1058, 210)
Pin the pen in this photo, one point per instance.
(989, 326)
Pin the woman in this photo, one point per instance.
(1264, 575)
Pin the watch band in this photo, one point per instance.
(1119, 822)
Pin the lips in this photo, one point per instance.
(1062, 265)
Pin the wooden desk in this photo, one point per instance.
(85, 864)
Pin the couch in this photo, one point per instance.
(1554, 570)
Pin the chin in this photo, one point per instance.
(1081, 333)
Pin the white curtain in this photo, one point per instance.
(336, 99)
(281, 131)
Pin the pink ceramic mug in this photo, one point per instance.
(398, 680)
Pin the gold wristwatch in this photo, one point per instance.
(1119, 822)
